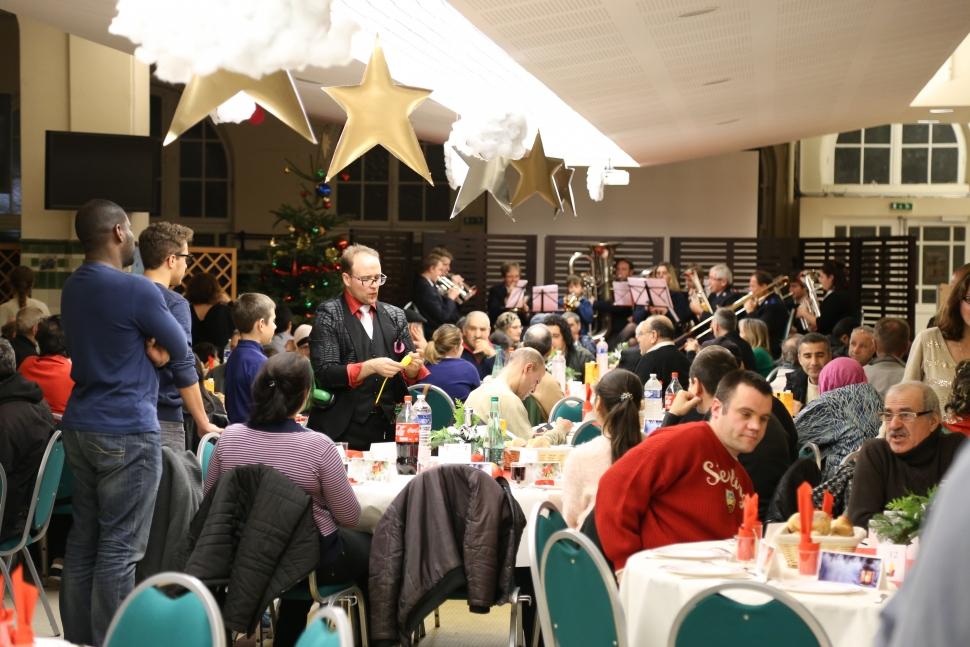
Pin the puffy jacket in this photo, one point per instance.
(254, 533)
(452, 527)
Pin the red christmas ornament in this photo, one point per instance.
(288, 298)
(258, 115)
(345, 176)
(278, 272)
(293, 271)
(342, 244)
(336, 267)
(309, 268)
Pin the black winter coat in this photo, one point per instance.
(254, 533)
(452, 527)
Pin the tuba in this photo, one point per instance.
(598, 281)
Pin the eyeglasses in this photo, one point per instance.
(372, 281)
(188, 257)
(904, 416)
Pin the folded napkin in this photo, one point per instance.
(806, 511)
(750, 519)
(827, 502)
(24, 597)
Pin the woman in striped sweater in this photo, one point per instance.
(272, 437)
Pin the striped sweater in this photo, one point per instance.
(307, 458)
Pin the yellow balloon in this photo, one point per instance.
(377, 114)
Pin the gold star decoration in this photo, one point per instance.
(535, 176)
(378, 112)
(563, 180)
(483, 176)
(274, 92)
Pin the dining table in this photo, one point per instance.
(376, 496)
(657, 584)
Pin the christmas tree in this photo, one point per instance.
(304, 264)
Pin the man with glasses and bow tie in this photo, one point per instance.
(912, 458)
(357, 342)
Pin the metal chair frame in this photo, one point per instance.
(544, 622)
(351, 596)
(803, 613)
(200, 450)
(811, 450)
(190, 584)
(340, 621)
(570, 399)
(583, 426)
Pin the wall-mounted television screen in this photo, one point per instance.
(84, 166)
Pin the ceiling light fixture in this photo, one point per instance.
(430, 44)
(698, 12)
(941, 111)
(927, 121)
(717, 81)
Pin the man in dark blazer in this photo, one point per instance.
(724, 327)
(655, 335)
(357, 342)
(772, 310)
(437, 308)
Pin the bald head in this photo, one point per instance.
(537, 336)
(105, 232)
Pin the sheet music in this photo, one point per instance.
(659, 295)
(622, 296)
(638, 289)
(545, 298)
(516, 298)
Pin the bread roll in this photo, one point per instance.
(821, 523)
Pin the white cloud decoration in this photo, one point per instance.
(595, 181)
(487, 136)
(184, 38)
(237, 109)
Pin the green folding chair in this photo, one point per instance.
(150, 618)
(327, 595)
(38, 518)
(811, 450)
(328, 627)
(442, 406)
(580, 592)
(712, 618)
(545, 520)
(207, 446)
(570, 408)
(585, 432)
(8, 584)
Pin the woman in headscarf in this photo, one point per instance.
(845, 414)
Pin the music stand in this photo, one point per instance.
(516, 297)
(621, 294)
(659, 294)
(545, 298)
(638, 290)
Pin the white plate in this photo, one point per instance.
(685, 552)
(818, 587)
(690, 569)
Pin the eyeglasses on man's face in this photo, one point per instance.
(188, 257)
(372, 281)
(904, 416)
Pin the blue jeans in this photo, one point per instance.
(116, 480)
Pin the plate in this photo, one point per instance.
(705, 570)
(817, 587)
(685, 552)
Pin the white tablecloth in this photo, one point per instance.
(651, 598)
(375, 498)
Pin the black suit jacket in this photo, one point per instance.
(663, 361)
(497, 294)
(629, 359)
(334, 345)
(437, 309)
(775, 315)
(731, 341)
(836, 306)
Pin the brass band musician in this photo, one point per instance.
(621, 317)
(576, 301)
(436, 308)
(837, 303)
(499, 293)
(465, 292)
(769, 308)
(678, 297)
(719, 280)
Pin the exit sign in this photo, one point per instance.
(900, 206)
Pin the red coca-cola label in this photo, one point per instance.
(407, 432)
(668, 400)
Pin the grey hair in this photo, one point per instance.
(930, 400)
(726, 320)
(8, 361)
(866, 329)
(722, 271)
(569, 315)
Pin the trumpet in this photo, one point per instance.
(696, 291)
(444, 284)
(704, 326)
(809, 279)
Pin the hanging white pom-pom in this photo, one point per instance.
(236, 110)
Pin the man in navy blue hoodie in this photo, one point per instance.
(164, 249)
(118, 329)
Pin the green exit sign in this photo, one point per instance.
(900, 206)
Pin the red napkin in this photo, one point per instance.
(588, 402)
(805, 511)
(827, 502)
(212, 362)
(750, 518)
(25, 597)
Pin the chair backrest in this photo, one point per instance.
(320, 634)
(442, 406)
(811, 450)
(207, 445)
(711, 618)
(586, 432)
(580, 593)
(150, 618)
(45, 489)
(545, 520)
(570, 408)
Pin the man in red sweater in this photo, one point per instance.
(684, 483)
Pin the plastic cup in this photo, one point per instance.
(808, 559)
(519, 472)
(746, 547)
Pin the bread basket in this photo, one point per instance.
(787, 543)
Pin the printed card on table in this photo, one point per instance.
(455, 453)
(849, 568)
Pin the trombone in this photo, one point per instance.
(775, 287)
(696, 291)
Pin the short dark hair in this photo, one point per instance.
(661, 325)
(814, 338)
(160, 240)
(202, 288)
(892, 335)
(284, 318)
(711, 364)
(205, 350)
(762, 277)
(430, 260)
(836, 269)
(730, 383)
(94, 222)
(621, 259)
(538, 337)
(50, 336)
(280, 389)
(250, 308)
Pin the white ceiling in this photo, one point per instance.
(666, 84)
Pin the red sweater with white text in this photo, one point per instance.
(678, 485)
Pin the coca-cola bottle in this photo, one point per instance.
(407, 435)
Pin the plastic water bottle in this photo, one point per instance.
(672, 390)
(226, 352)
(653, 404)
(421, 414)
(602, 357)
(499, 363)
(558, 369)
(495, 443)
(406, 437)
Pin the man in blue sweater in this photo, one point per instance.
(254, 316)
(118, 329)
(164, 249)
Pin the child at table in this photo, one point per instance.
(617, 412)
